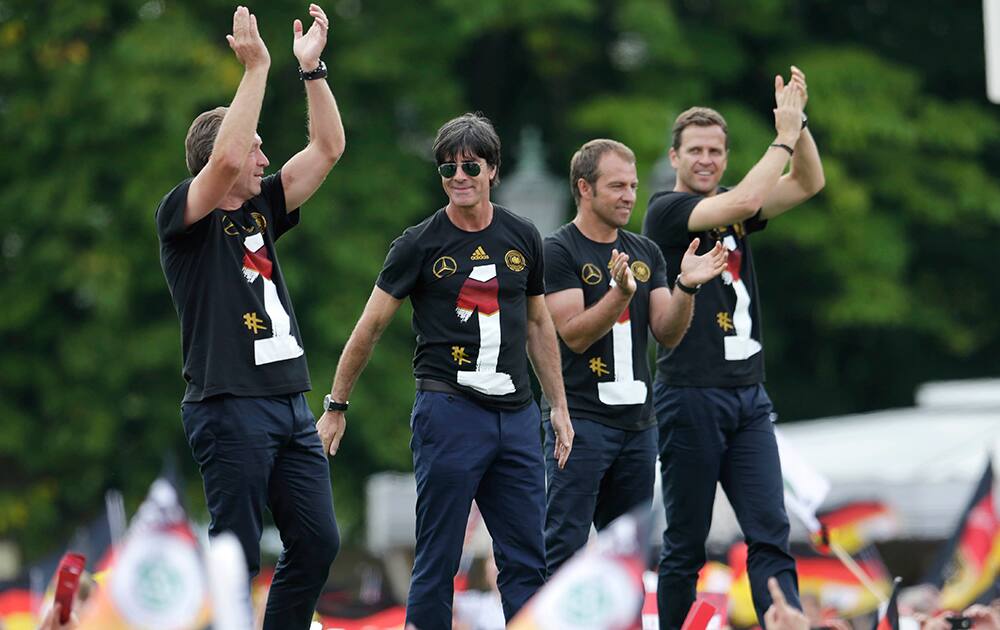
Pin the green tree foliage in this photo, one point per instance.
(881, 282)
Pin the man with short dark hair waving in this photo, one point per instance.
(713, 413)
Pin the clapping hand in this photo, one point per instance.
(309, 46)
(246, 41)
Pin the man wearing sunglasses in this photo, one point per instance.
(715, 418)
(244, 411)
(606, 288)
(474, 275)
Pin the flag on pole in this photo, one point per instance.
(889, 618)
(157, 580)
(825, 578)
(854, 526)
(805, 488)
(970, 562)
(599, 588)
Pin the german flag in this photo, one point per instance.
(969, 564)
(889, 620)
(855, 525)
(822, 577)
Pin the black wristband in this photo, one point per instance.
(689, 290)
(319, 72)
(790, 150)
(329, 404)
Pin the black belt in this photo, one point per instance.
(429, 385)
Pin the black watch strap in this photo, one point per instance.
(318, 73)
(683, 287)
(329, 404)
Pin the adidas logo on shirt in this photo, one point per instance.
(480, 254)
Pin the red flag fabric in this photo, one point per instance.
(970, 563)
(855, 525)
(889, 620)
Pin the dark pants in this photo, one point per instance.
(609, 472)
(265, 452)
(725, 435)
(463, 451)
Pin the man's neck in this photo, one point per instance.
(679, 187)
(231, 202)
(593, 227)
(470, 218)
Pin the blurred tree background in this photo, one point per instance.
(880, 283)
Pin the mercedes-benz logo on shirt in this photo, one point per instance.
(591, 274)
(444, 266)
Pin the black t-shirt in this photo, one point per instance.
(469, 294)
(723, 347)
(238, 330)
(608, 382)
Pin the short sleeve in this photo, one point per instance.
(560, 272)
(536, 277)
(756, 223)
(170, 215)
(667, 219)
(272, 192)
(401, 269)
(659, 276)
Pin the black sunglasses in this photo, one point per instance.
(448, 169)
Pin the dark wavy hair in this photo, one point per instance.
(472, 134)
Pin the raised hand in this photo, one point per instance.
(309, 46)
(789, 100)
(621, 273)
(698, 270)
(781, 616)
(799, 77)
(246, 41)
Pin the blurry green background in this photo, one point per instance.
(885, 280)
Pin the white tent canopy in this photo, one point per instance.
(921, 461)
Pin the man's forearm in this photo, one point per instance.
(807, 167)
(544, 354)
(758, 183)
(236, 133)
(326, 130)
(353, 360)
(670, 325)
(581, 331)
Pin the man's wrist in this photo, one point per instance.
(335, 404)
(309, 64)
(788, 138)
(624, 289)
(318, 71)
(690, 289)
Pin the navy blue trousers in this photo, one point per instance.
(463, 451)
(609, 472)
(265, 452)
(725, 435)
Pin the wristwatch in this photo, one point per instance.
(683, 287)
(329, 404)
(319, 72)
(805, 119)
